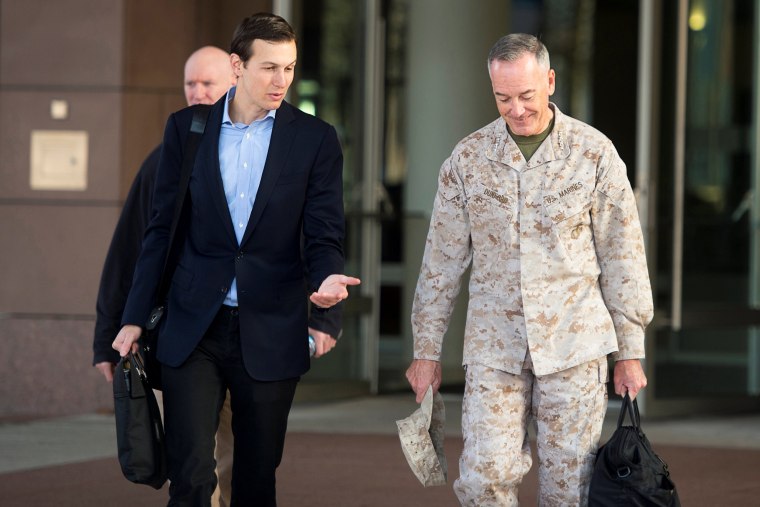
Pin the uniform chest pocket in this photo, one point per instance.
(491, 205)
(571, 222)
(570, 209)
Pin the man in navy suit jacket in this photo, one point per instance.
(266, 177)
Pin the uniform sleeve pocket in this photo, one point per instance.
(449, 192)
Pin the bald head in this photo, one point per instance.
(208, 75)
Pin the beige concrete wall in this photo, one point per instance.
(118, 64)
(449, 96)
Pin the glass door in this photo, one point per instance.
(351, 74)
(334, 81)
(705, 339)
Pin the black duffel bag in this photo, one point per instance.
(627, 471)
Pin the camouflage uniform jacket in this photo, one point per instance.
(555, 244)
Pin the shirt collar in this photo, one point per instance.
(226, 115)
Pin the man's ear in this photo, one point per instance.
(551, 82)
(237, 65)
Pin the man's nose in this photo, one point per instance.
(198, 93)
(517, 109)
(279, 79)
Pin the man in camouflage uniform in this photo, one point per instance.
(540, 206)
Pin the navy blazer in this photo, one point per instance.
(300, 194)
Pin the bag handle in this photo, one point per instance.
(132, 363)
(137, 363)
(631, 407)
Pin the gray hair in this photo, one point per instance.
(513, 46)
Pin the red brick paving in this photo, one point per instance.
(321, 470)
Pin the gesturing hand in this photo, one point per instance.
(333, 290)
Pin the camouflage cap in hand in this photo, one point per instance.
(421, 436)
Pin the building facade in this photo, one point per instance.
(88, 84)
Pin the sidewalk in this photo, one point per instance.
(377, 415)
(346, 453)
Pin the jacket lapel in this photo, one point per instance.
(208, 163)
(283, 134)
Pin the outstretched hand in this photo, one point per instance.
(333, 290)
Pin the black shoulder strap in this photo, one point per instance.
(197, 127)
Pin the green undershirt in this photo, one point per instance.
(529, 144)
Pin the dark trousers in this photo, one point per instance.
(193, 396)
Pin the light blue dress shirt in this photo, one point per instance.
(242, 153)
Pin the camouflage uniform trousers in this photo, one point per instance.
(568, 408)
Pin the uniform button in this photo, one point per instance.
(239, 255)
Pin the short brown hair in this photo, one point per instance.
(264, 26)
